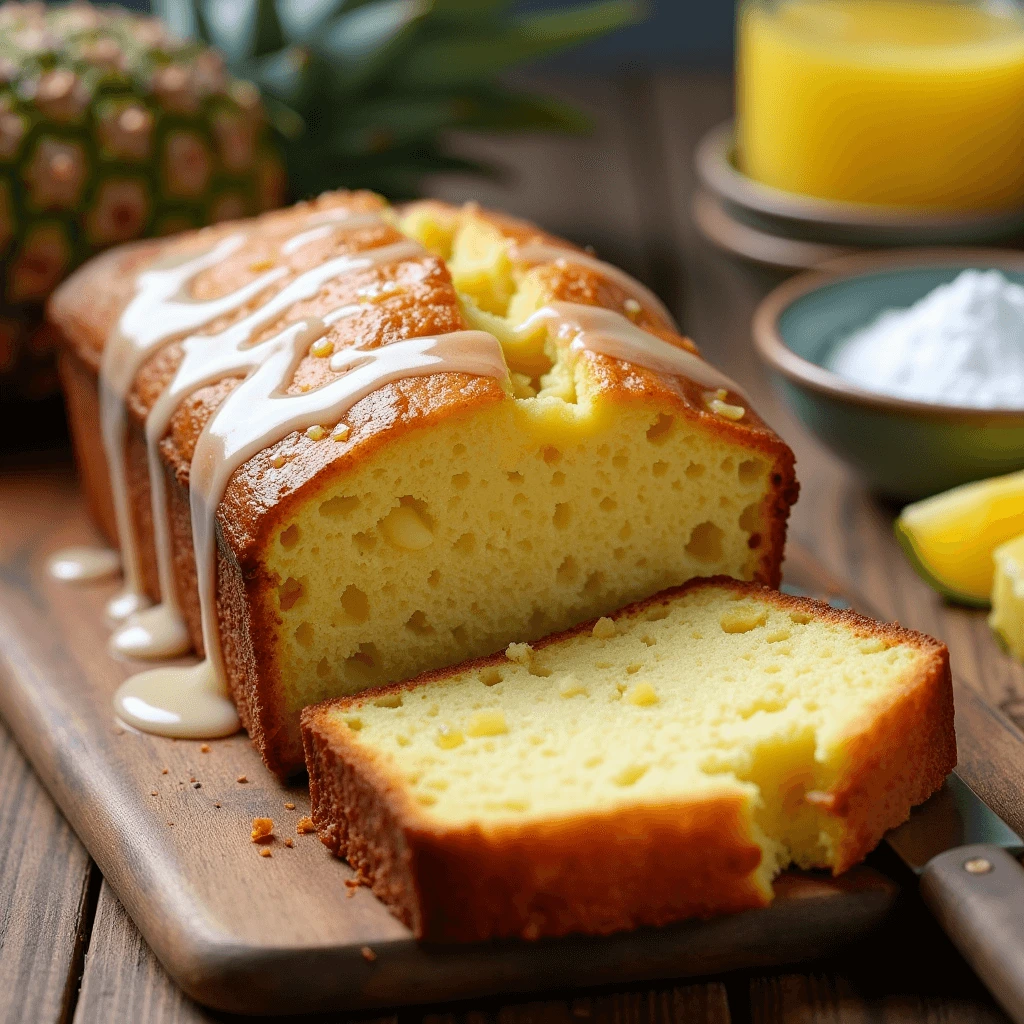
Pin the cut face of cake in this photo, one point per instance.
(663, 763)
(346, 444)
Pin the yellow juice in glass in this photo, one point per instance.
(913, 103)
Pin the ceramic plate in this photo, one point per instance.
(803, 217)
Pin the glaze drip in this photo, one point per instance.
(535, 253)
(595, 329)
(194, 701)
(83, 564)
(257, 414)
(159, 312)
(160, 632)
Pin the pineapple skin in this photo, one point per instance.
(111, 129)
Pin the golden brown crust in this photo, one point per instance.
(897, 763)
(471, 883)
(257, 500)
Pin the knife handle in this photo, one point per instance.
(977, 895)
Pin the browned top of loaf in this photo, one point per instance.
(87, 307)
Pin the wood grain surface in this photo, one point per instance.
(628, 191)
(47, 893)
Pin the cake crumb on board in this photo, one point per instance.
(289, 806)
(241, 778)
(265, 852)
(262, 828)
(289, 843)
(305, 825)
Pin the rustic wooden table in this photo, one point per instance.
(68, 952)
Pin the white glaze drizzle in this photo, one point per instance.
(83, 564)
(256, 415)
(535, 253)
(185, 702)
(322, 224)
(161, 632)
(158, 312)
(596, 329)
(194, 701)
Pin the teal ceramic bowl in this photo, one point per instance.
(903, 449)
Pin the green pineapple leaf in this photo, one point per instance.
(363, 42)
(302, 20)
(380, 124)
(185, 18)
(388, 122)
(287, 76)
(287, 122)
(242, 29)
(452, 59)
(265, 28)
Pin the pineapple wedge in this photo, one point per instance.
(1007, 617)
(951, 537)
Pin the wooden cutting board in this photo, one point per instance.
(168, 824)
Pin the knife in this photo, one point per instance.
(965, 857)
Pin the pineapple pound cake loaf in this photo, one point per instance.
(664, 763)
(343, 444)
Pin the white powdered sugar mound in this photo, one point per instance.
(962, 344)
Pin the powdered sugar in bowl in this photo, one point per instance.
(909, 365)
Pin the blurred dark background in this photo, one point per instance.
(694, 33)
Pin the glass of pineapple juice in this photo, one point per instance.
(904, 103)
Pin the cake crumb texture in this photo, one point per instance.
(722, 733)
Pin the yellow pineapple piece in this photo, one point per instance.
(1007, 617)
(950, 538)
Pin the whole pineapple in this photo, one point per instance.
(110, 129)
(114, 127)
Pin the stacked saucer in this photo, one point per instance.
(788, 231)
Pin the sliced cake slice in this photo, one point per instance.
(663, 763)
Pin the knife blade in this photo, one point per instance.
(965, 856)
